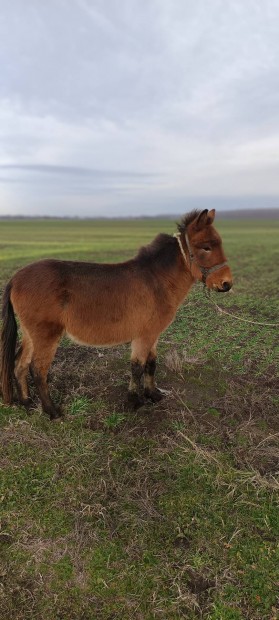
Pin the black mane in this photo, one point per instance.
(187, 219)
(162, 251)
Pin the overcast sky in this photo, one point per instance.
(132, 107)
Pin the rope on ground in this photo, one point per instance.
(239, 318)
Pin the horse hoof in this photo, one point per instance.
(57, 418)
(26, 402)
(54, 413)
(134, 400)
(58, 413)
(154, 395)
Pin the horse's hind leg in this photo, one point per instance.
(150, 389)
(22, 362)
(45, 344)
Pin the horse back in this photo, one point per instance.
(94, 303)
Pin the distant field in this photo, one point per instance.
(170, 512)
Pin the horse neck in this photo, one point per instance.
(177, 280)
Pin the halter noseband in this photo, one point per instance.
(204, 270)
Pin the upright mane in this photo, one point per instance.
(163, 250)
(187, 219)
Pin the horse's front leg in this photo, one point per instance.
(134, 392)
(143, 363)
(150, 389)
(140, 350)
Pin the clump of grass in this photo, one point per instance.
(177, 360)
(80, 404)
(114, 420)
(214, 412)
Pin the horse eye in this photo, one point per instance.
(207, 248)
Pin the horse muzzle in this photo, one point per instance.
(220, 282)
(226, 287)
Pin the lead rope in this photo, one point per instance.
(234, 316)
(177, 236)
(207, 294)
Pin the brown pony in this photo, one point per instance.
(105, 305)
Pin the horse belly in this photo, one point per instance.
(101, 329)
(87, 338)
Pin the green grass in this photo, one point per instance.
(168, 513)
(79, 405)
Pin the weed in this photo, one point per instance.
(113, 420)
(79, 405)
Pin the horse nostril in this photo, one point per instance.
(226, 286)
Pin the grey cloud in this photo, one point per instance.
(144, 101)
(75, 171)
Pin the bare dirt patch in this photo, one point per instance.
(237, 413)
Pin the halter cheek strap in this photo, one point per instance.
(204, 270)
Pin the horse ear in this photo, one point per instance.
(205, 219)
(202, 220)
(210, 217)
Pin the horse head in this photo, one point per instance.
(206, 254)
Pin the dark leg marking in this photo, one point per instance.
(134, 398)
(150, 390)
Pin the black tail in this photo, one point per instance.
(8, 346)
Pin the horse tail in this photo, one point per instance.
(8, 346)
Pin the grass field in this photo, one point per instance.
(170, 512)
